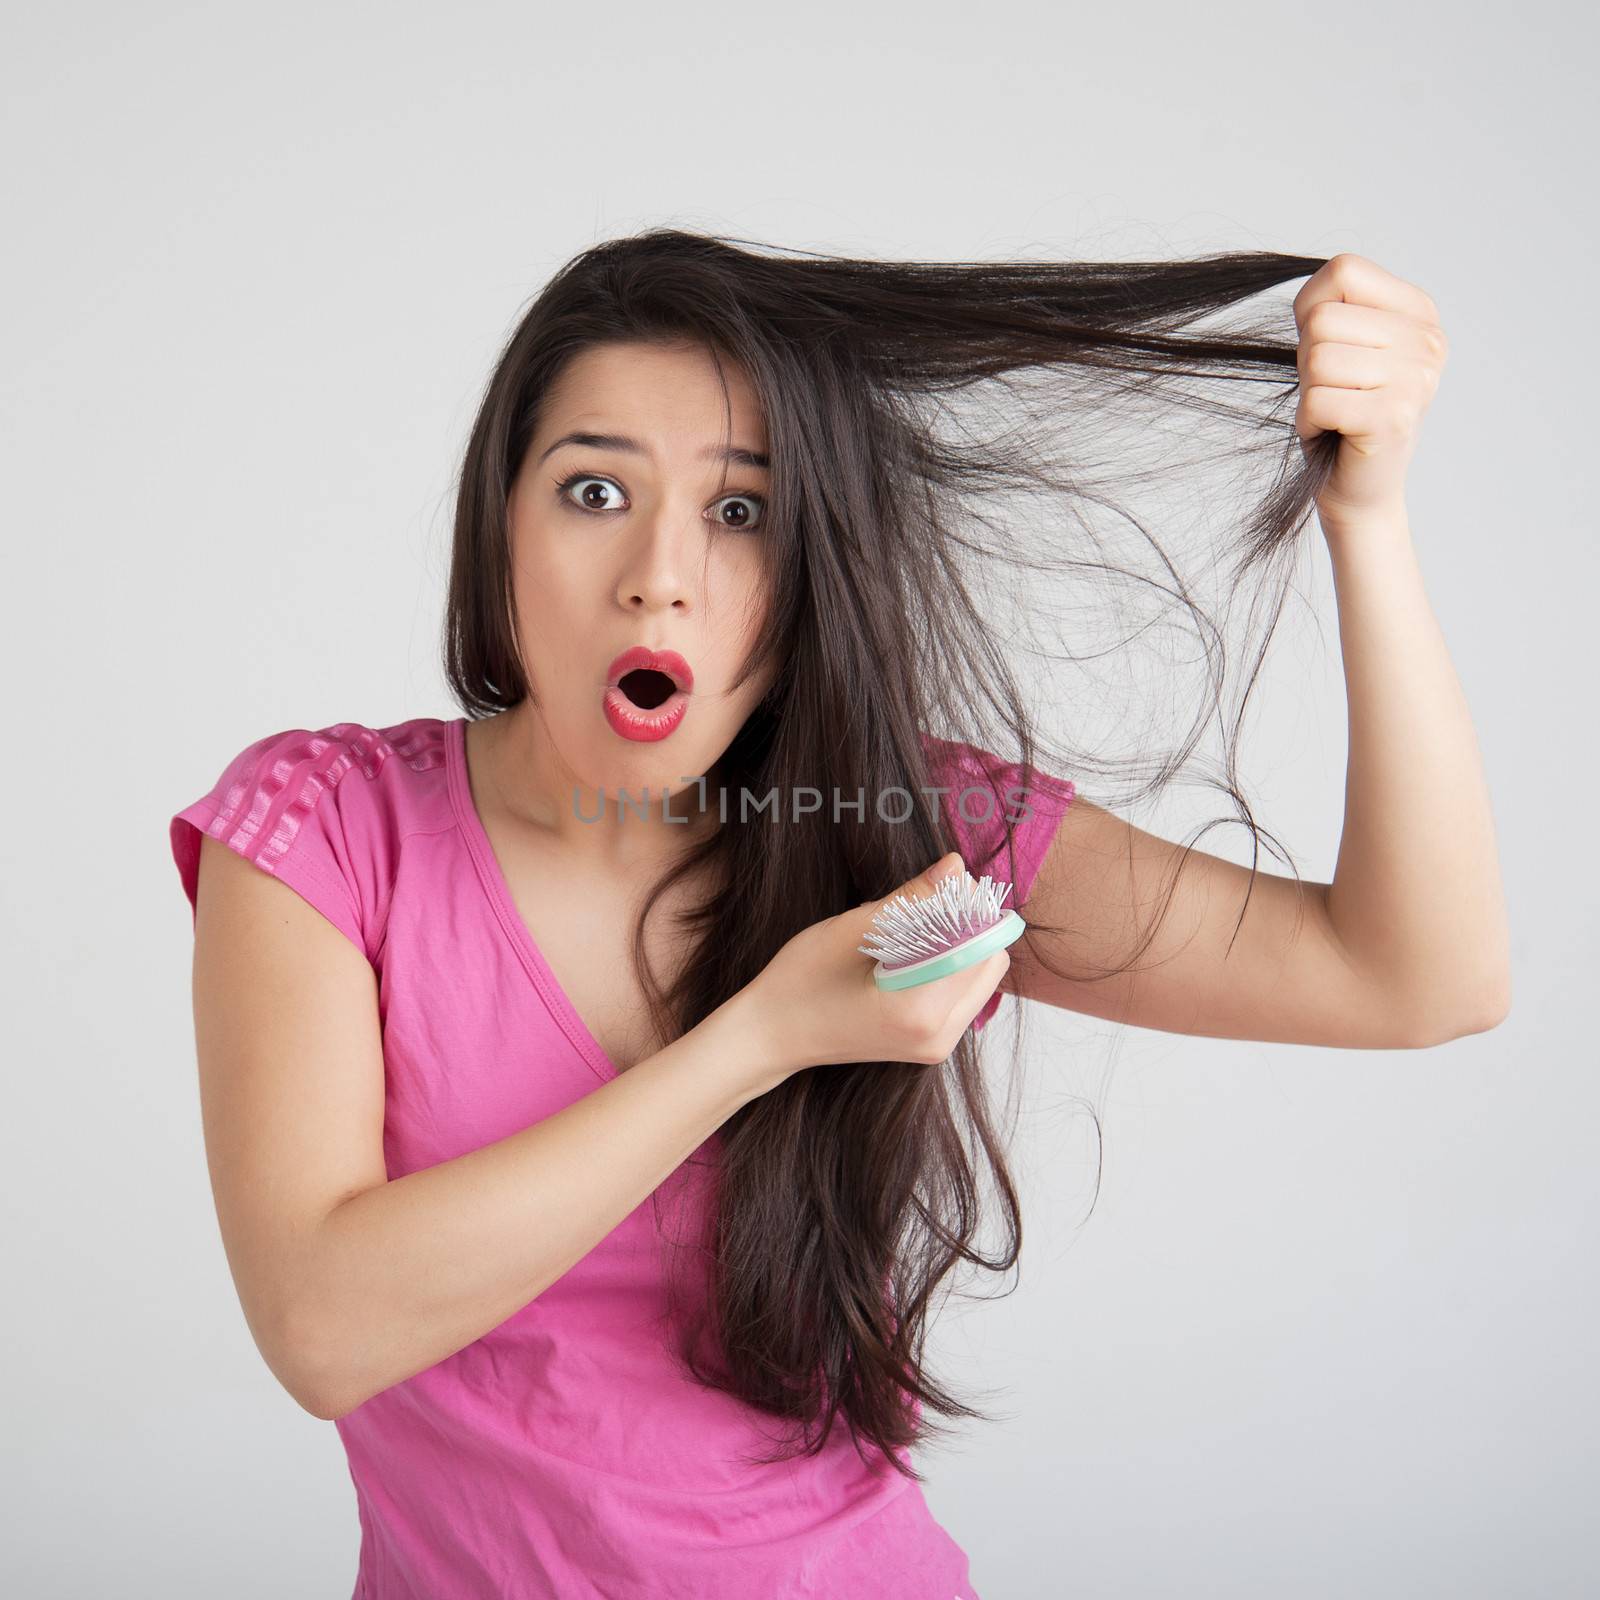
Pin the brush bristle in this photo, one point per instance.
(907, 930)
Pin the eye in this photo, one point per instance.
(572, 482)
(757, 500)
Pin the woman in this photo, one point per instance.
(714, 622)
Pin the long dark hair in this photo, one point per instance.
(848, 1194)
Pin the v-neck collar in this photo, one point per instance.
(498, 891)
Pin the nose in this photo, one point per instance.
(656, 566)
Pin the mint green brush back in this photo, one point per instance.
(917, 940)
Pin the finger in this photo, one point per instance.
(1346, 366)
(1355, 279)
(1340, 321)
(924, 883)
(927, 881)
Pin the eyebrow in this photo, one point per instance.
(621, 441)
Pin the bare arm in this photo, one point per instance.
(1408, 946)
(1416, 899)
(351, 1282)
(407, 1273)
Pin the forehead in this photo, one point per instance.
(670, 393)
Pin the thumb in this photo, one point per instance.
(945, 867)
(923, 884)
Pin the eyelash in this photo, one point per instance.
(566, 484)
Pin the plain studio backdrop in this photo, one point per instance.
(1327, 1330)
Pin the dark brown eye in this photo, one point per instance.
(588, 498)
(741, 518)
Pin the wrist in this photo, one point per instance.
(752, 1042)
(1390, 520)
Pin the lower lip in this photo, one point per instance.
(634, 722)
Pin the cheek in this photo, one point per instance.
(557, 594)
(554, 622)
(751, 586)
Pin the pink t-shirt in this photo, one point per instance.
(563, 1453)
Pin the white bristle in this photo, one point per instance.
(906, 930)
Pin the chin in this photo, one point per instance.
(668, 765)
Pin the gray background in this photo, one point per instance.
(1328, 1330)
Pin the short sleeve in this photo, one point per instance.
(982, 792)
(278, 804)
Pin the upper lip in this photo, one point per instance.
(640, 658)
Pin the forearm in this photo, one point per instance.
(1416, 899)
(403, 1275)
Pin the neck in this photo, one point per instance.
(517, 770)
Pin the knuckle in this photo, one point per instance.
(914, 1020)
(924, 1029)
(1317, 317)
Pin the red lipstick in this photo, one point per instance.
(638, 658)
(647, 693)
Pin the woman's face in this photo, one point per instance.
(621, 545)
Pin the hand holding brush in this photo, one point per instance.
(938, 945)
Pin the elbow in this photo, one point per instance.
(318, 1384)
(1440, 1021)
(322, 1403)
(327, 1410)
(313, 1404)
(326, 1401)
(310, 1388)
(328, 1393)
(1492, 1004)
(1490, 1020)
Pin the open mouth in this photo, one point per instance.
(647, 688)
(647, 693)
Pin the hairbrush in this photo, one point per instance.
(918, 939)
